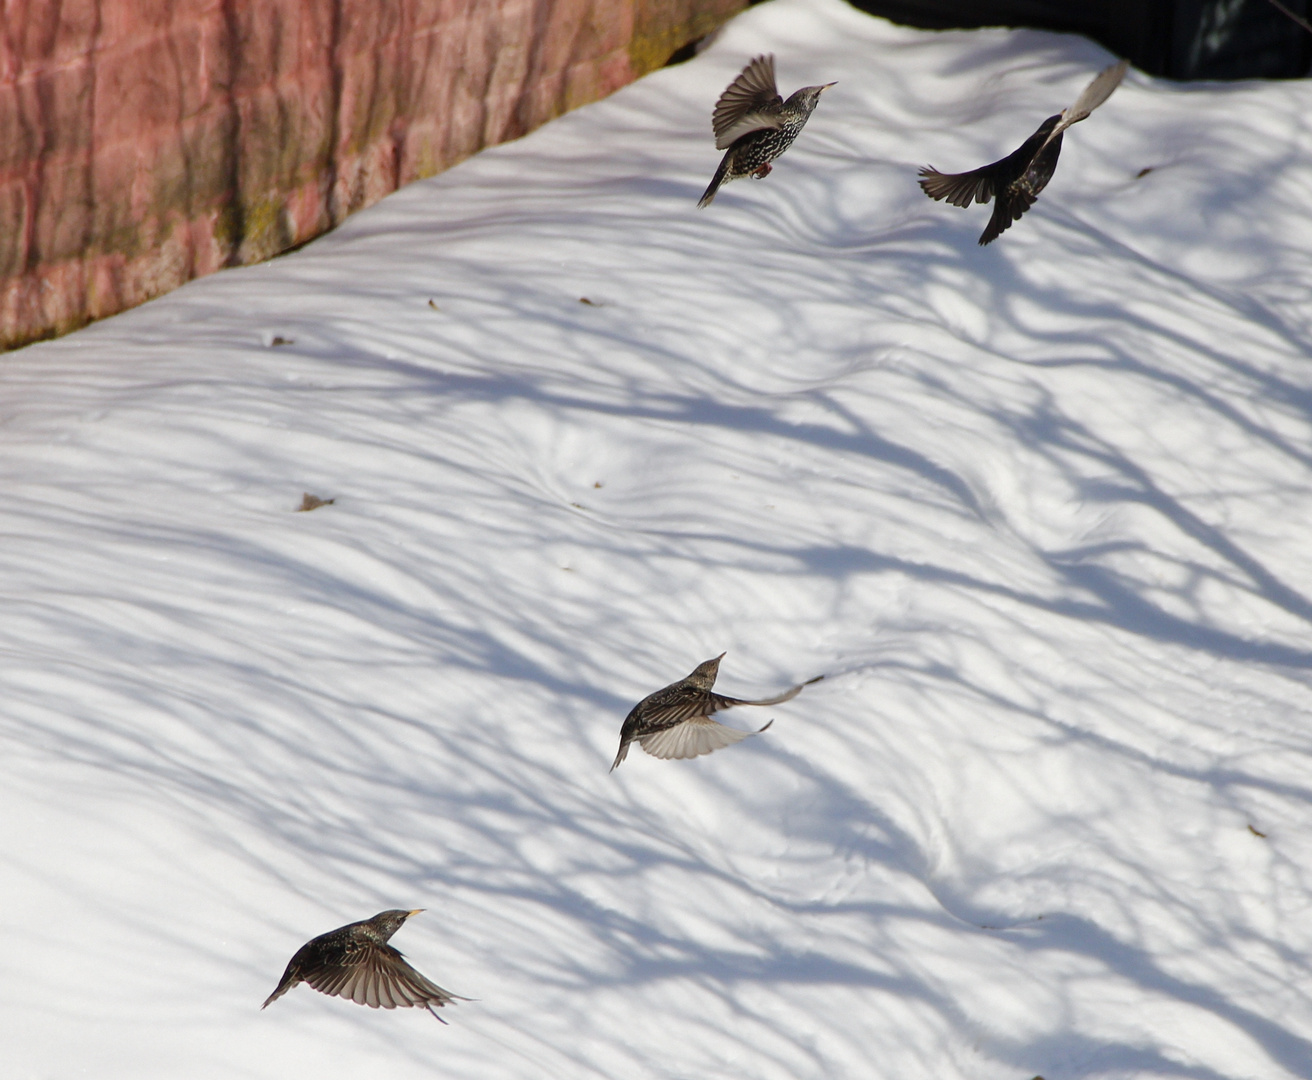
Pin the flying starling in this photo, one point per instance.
(355, 962)
(755, 124)
(1018, 178)
(676, 722)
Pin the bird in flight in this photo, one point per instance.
(1016, 180)
(755, 125)
(356, 962)
(675, 722)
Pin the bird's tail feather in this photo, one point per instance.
(283, 987)
(708, 196)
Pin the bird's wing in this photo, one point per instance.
(692, 738)
(422, 990)
(960, 189)
(1098, 91)
(685, 708)
(720, 701)
(751, 103)
(379, 978)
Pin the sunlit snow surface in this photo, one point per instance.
(1041, 511)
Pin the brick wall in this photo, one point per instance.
(146, 142)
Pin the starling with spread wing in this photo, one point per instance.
(755, 125)
(356, 962)
(1016, 180)
(675, 722)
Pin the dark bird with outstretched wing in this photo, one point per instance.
(356, 962)
(1016, 180)
(675, 722)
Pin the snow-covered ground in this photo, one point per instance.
(1041, 511)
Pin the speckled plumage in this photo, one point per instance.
(357, 963)
(755, 124)
(675, 722)
(1016, 180)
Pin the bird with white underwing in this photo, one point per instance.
(675, 721)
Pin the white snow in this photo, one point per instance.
(1040, 511)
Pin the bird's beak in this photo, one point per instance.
(828, 85)
(722, 656)
(417, 911)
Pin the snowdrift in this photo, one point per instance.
(1039, 512)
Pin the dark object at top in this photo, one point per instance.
(1018, 178)
(1289, 13)
(355, 962)
(1181, 39)
(675, 722)
(755, 124)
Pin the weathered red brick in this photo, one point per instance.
(144, 142)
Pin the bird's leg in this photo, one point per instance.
(763, 171)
